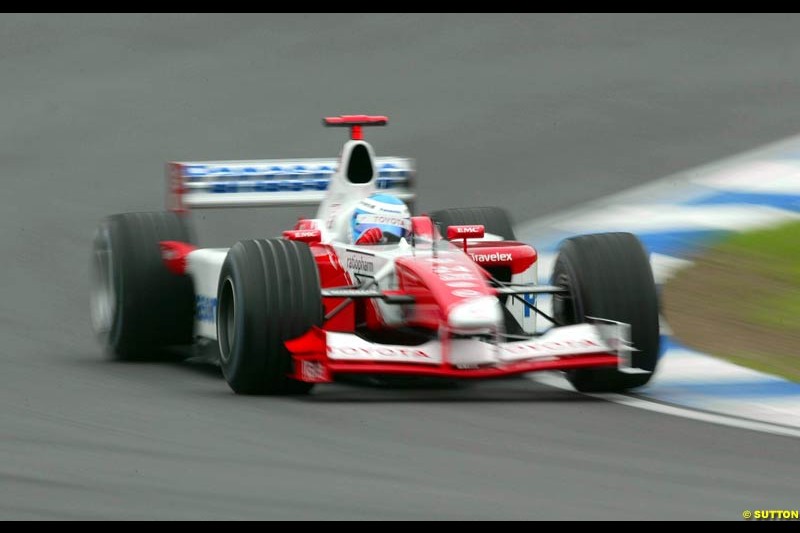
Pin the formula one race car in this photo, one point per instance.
(451, 295)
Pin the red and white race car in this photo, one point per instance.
(454, 298)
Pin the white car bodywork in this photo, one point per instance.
(238, 183)
(332, 220)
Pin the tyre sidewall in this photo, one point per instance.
(595, 268)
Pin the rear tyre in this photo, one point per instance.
(269, 292)
(494, 219)
(138, 307)
(609, 276)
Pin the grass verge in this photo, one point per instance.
(741, 301)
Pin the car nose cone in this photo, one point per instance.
(477, 313)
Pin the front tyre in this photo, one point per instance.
(609, 276)
(269, 292)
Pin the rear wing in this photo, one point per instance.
(271, 182)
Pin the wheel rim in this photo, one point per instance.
(567, 308)
(226, 320)
(564, 304)
(103, 298)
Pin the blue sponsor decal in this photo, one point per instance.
(206, 309)
(277, 171)
(195, 172)
(390, 170)
(323, 171)
(225, 179)
(290, 185)
(221, 186)
(531, 299)
(390, 183)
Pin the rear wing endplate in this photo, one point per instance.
(271, 182)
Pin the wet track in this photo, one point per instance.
(536, 113)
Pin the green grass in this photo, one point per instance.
(776, 250)
(775, 254)
(780, 312)
(772, 254)
(741, 300)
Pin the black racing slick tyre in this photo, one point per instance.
(269, 292)
(494, 219)
(609, 276)
(138, 306)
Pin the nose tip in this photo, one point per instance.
(483, 312)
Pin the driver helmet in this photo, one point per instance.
(383, 211)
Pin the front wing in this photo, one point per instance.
(319, 356)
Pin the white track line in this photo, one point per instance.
(648, 405)
(762, 177)
(676, 185)
(665, 266)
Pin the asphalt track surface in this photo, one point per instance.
(536, 113)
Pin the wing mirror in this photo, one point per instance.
(303, 235)
(474, 231)
(465, 232)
